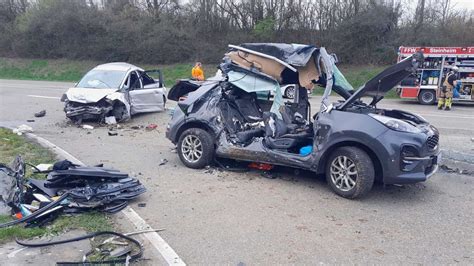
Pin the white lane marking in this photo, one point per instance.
(46, 97)
(155, 239)
(13, 253)
(445, 116)
(46, 143)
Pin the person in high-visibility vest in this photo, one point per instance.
(446, 93)
(197, 72)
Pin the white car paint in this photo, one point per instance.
(86, 95)
(148, 98)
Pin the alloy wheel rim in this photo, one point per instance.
(191, 148)
(343, 173)
(427, 97)
(290, 92)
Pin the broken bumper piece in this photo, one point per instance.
(78, 111)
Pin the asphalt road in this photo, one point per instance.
(214, 217)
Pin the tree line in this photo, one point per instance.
(171, 31)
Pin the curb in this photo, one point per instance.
(168, 254)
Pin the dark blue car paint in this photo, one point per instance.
(332, 129)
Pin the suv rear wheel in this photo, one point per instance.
(350, 172)
(195, 148)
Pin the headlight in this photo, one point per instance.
(395, 124)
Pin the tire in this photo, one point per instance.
(427, 97)
(119, 111)
(192, 141)
(290, 92)
(360, 163)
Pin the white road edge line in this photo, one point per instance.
(45, 97)
(155, 239)
(168, 254)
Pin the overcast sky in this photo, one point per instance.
(467, 4)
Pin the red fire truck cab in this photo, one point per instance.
(429, 78)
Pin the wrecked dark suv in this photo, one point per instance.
(352, 142)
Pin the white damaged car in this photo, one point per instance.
(115, 89)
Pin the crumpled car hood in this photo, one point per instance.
(85, 95)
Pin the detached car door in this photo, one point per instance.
(146, 94)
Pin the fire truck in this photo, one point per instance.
(426, 83)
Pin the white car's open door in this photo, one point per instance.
(148, 95)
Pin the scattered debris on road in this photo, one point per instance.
(456, 170)
(111, 253)
(261, 166)
(229, 165)
(22, 130)
(112, 133)
(269, 174)
(30, 120)
(87, 127)
(40, 113)
(163, 162)
(68, 189)
(151, 126)
(43, 167)
(110, 120)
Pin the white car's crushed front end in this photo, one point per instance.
(95, 104)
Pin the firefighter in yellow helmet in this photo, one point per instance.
(197, 72)
(446, 93)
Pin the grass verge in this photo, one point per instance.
(73, 70)
(10, 146)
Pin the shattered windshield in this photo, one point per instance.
(250, 83)
(340, 80)
(102, 79)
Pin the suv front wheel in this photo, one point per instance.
(350, 172)
(195, 148)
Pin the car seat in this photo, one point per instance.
(282, 135)
(247, 105)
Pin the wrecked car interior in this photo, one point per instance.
(117, 90)
(249, 110)
(236, 114)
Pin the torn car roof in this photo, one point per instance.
(293, 54)
(286, 63)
